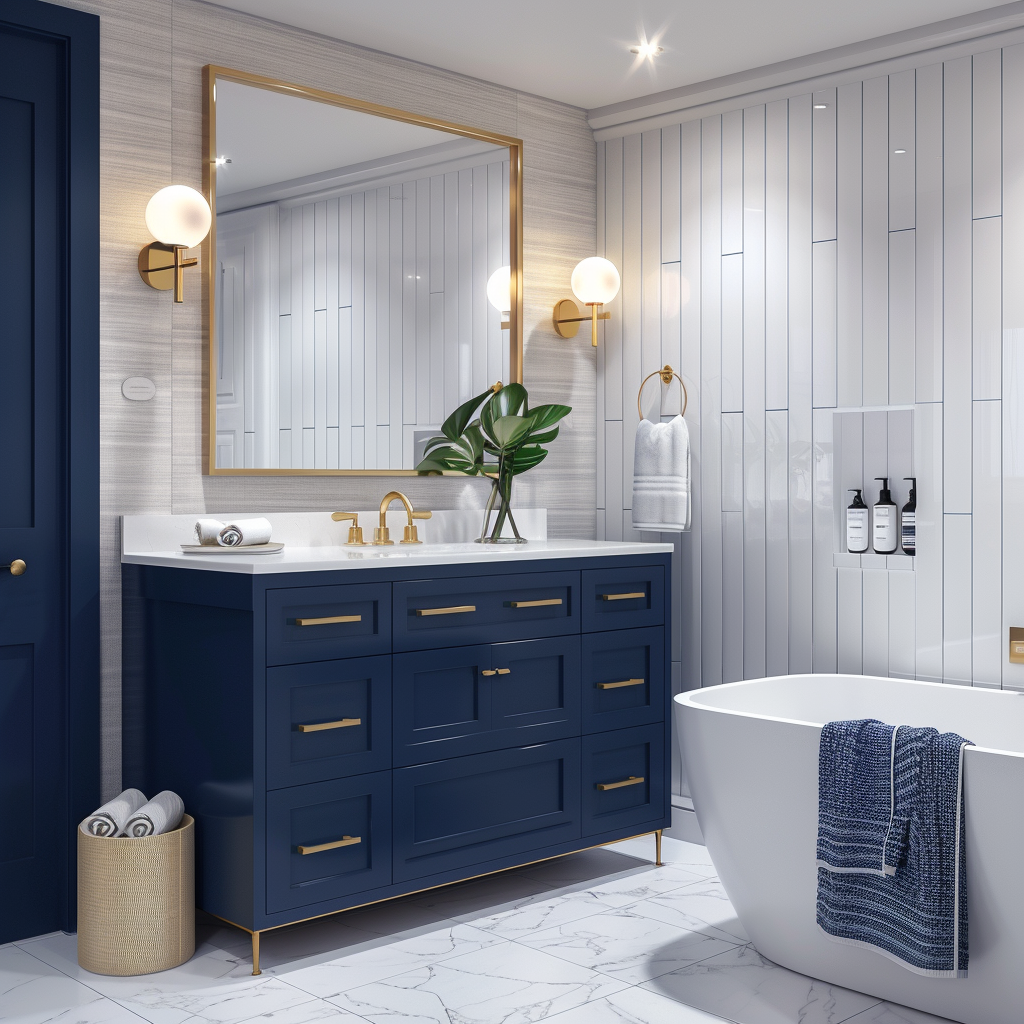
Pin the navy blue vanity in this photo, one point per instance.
(346, 736)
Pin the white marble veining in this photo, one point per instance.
(313, 542)
(602, 937)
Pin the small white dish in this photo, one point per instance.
(238, 549)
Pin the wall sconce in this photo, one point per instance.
(179, 218)
(595, 281)
(499, 293)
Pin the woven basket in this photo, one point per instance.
(136, 901)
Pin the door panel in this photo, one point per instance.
(623, 678)
(623, 778)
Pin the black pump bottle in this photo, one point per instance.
(908, 529)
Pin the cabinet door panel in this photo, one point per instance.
(327, 720)
(537, 686)
(470, 810)
(623, 598)
(623, 778)
(451, 613)
(304, 866)
(623, 678)
(325, 623)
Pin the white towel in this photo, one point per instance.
(661, 477)
(245, 532)
(110, 819)
(161, 814)
(208, 531)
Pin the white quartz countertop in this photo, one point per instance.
(313, 543)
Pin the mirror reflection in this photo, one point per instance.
(350, 309)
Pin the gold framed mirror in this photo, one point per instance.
(345, 278)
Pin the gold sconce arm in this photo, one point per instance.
(567, 325)
(163, 267)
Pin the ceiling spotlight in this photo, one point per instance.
(899, 152)
(646, 51)
(821, 106)
(222, 160)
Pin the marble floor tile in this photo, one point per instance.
(703, 906)
(303, 1013)
(633, 886)
(892, 1013)
(636, 1006)
(215, 988)
(485, 895)
(585, 866)
(388, 959)
(33, 992)
(742, 986)
(689, 855)
(491, 986)
(526, 920)
(626, 945)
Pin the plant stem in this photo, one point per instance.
(489, 507)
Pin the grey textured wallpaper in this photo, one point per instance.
(151, 129)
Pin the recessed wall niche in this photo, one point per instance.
(869, 444)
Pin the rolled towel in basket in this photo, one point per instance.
(110, 819)
(162, 814)
(208, 531)
(245, 532)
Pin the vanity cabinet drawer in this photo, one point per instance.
(467, 811)
(451, 613)
(623, 778)
(328, 840)
(623, 678)
(623, 598)
(325, 623)
(465, 700)
(328, 719)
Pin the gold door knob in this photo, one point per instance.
(17, 567)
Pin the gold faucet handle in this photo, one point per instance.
(355, 531)
(421, 515)
(411, 535)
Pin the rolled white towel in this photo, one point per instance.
(110, 819)
(161, 814)
(245, 532)
(208, 531)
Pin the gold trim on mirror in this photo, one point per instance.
(213, 72)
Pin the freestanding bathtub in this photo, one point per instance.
(751, 756)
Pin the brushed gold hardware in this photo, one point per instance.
(619, 685)
(320, 847)
(1016, 644)
(382, 536)
(535, 604)
(514, 147)
(504, 671)
(666, 373)
(488, 671)
(567, 325)
(328, 619)
(624, 597)
(17, 567)
(633, 780)
(658, 863)
(455, 609)
(355, 531)
(163, 267)
(342, 723)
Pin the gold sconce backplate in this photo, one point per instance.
(156, 265)
(567, 324)
(1016, 645)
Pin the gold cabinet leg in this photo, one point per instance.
(256, 953)
(657, 849)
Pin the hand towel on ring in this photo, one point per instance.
(661, 476)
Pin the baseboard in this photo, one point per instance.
(684, 826)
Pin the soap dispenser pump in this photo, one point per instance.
(857, 524)
(908, 529)
(883, 532)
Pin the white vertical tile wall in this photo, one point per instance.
(859, 249)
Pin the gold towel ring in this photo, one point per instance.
(666, 373)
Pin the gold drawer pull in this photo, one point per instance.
(456, 609)
(619, 685)
(329, 618)
(623, 597)
(347, 841)
(342, 723)
(504, 671)
(488, 671)
(535, 604)
(633, 780)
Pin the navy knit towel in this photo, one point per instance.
(891, 858)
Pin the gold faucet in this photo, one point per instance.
(382, 535)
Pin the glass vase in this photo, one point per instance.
(500, 496)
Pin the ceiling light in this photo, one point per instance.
(222, 160)
(899, 151)
(646, 51)
(821, 106)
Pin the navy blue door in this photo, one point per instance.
(40, 606)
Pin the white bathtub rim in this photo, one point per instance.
(684, 699)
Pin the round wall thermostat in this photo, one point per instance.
(138, 389)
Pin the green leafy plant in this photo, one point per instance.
(505, 439)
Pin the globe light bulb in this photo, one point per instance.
(179, 215)
(595, 281)
(499, 290)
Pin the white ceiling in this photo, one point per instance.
(577, 51)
